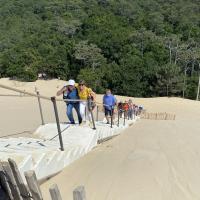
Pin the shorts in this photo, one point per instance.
(109, 112)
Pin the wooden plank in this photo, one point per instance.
(79, 193)
(19, 181)
(9, 178)
(5, 192)
(33, 185)
(54, 192)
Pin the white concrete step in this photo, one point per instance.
(43, 154)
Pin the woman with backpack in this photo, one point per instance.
(88, 96)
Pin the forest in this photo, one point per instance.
(140, 48)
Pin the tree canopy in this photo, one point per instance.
(134, 47)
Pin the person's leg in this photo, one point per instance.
(77, 108)
(106, 115)
(70, 113)
(89, 116)
(124, 114)
(128, 114)
(120, 113)
(131, 114)
(82, 110)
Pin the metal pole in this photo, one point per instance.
(111, 112)
(124, 119)
(53, 99)
(118, 118)
(40, 107)
(86, 113)
(128, 114)
(94, 127)
(90, 110)
(97, 117)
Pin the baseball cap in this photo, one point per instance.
(71, 82)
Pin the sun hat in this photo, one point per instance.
(71, 82)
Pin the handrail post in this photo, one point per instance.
(111, 124)
(124, 118)
(90, 110)
(118, 118)
(53, 99)
(40, 107)
(97, 117)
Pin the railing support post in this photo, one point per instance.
(118, 118)
(97, 117)
(124, 118)
(40, 107)
(53, 99)
(90, 110)
(111, 124)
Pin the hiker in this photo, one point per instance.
(125, 109)
(109, 102)
(136, 110)
(120, 109)
(130, 109)
(85, 94)
(140, 109)
(70, 92)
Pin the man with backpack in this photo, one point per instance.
(70, 92)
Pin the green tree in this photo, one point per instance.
(169, 81)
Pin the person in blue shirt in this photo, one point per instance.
(109, 102)
(70, 92)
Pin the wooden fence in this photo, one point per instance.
(12, 186)
(158, 116)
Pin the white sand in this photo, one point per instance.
(152, 160)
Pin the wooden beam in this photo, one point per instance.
(54, 192)
(79, 193)
(19, 181)
(6, 192)
(33, 185)
(12, 189)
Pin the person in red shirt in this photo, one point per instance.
(125, 108)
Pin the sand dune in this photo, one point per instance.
(154, 160)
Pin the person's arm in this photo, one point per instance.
(92, 94)
(114, 101)
(63, 89)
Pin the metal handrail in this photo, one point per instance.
(24, 92)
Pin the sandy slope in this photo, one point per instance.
(21, 114)
(152, 160)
